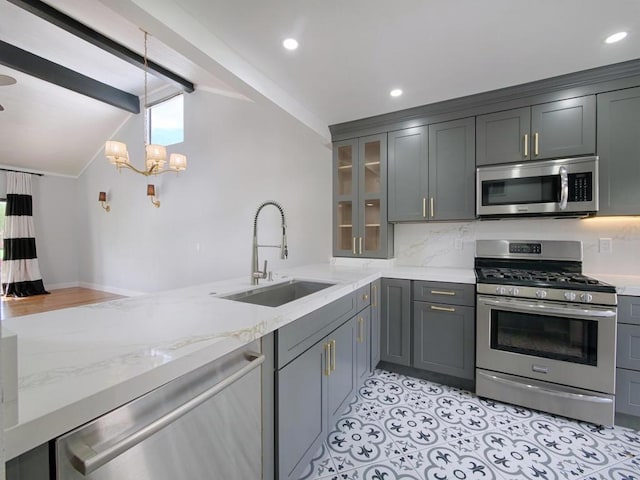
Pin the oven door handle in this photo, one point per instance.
(528, 387)
(529, 307)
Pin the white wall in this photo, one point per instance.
(240, 154)
(434, 244)
(55, 220)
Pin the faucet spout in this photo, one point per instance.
(284, 250)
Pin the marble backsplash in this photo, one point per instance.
(452, 244)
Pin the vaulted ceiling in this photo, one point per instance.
(351, 55)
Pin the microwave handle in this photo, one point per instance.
(564, 188)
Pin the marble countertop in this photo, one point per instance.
(625, 284)
(76, 364)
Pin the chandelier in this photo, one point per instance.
(155, 155)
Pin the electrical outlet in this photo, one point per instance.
(457, 244)
(605, 245)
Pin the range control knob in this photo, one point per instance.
(516, 292)
(586, 297)
(501, 290)
(541, 294)
(571, 296)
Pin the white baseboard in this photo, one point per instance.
(114, 290)
(58, 286)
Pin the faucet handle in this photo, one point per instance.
(264, 270)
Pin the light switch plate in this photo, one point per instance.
(605, 245)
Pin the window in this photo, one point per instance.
(166, 121)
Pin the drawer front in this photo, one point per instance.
(628, 391)
(296, 337)
(363, 297)
(629, 309)
(444, 292)
(628, 352)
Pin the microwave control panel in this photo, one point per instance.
(580, 187)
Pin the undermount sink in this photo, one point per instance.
(277, 295)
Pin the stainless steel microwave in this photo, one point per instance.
(567, 186)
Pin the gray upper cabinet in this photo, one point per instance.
(619, 152)
(431, 172)
(452, 170)
(395, 321)
(564, 128)
(408, 174)
(503, 137)
(360, 198)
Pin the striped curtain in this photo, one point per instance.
(20, 272)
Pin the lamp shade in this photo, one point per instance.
(102, 196)
(116, 152)
(178, 162)
(151, 190)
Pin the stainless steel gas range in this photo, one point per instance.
(545, 333)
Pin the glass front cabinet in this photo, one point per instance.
(360, 226)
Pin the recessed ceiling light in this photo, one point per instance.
(396, 92)
(7, 80)
(616, 37)
(290, 43)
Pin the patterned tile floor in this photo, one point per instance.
(402, 428)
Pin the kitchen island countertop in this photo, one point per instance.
(76, 364)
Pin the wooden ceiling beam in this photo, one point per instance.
(26, 62)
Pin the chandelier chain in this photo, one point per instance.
(144, 105)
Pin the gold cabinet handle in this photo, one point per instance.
(432, 209)
(375, 295)
(327, 359)
(360, 241)
(365, 297)
(443, 309)
(360, 329)
(424, 207)
(526, 145)
(354, 245)
(443, 292)
(333, 355)
(536, 149)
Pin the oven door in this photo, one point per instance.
(567, 344)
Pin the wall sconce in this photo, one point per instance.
(151, 192)
(102, 198)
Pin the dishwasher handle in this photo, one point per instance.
(86, 460)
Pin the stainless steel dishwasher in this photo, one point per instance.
(204, 425)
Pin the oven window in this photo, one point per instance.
(558, 338)
(515, 191)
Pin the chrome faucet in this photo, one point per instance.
(284, 252)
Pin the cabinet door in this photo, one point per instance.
(444, 339)
(363, 345)
(619, 152)
(372, 228)
(564, 128)
(408, 174)
(345, 197)
(503, 137)
(452, 170)
(341, 383)
(395, 321)
(375, 323)
(301, 410)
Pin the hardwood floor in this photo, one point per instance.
(56, 300)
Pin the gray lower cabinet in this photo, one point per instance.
(443, 339)
(320, 360)
(628, 357)
(376, 291)
(619, 152)
(444, 328)
(364, 329)
(431, 172)
(564, 128)
(395, 321)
